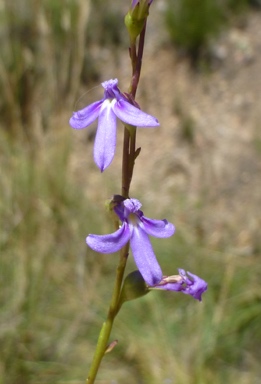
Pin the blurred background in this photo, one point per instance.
(200, 170)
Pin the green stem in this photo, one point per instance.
(128, 160)
(113, 310)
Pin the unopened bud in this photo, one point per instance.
(134, 287)
(136, 17)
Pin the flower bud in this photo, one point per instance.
(134, 287)
(136, 17)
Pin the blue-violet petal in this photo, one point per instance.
(144, 256)
(86, 116)
(129, 114)
(157, 228)
(105, 139)
(110, 243)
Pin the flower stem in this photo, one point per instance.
(128, 160)
(107, 325)
(125, 163)
(137, 63)
(129, 141)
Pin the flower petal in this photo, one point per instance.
(86, 116)
(134, 3)
(144, 256)
(171, 287)
(105, 140)
(196, 287)
(111, 90)
(132, 115)
(110, 243)
(157, 228)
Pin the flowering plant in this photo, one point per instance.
(132, 227)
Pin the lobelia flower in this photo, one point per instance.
(114, 104)
(190, 285)
(135, 228)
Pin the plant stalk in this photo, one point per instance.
(128, 161)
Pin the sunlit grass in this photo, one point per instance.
(44, 221)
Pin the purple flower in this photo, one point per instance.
(135, 228)
(135, 2)
(190, 285)
(114, 104)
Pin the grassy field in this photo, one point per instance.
(54, 291)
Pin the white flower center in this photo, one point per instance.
(133, 219)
